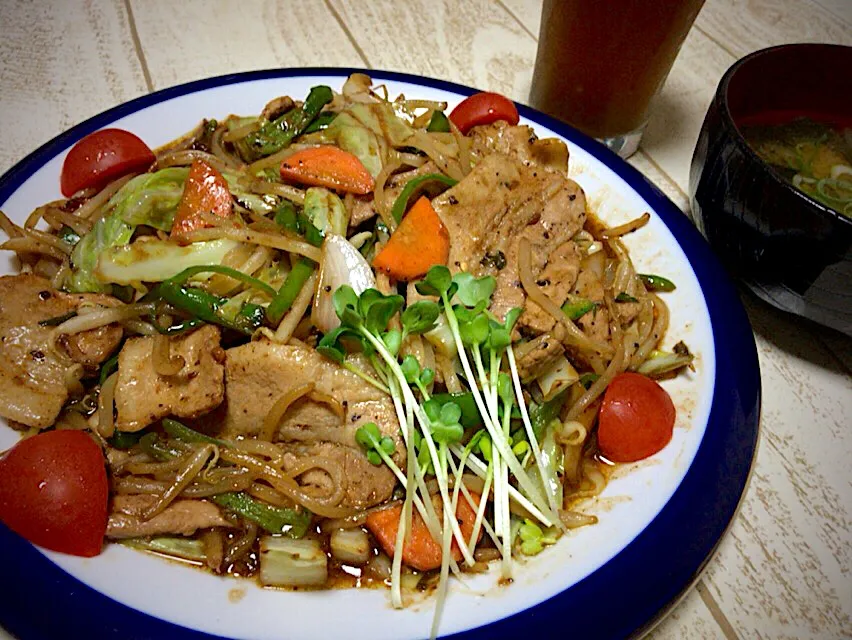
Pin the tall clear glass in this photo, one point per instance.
(600, 63)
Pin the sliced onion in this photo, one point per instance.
(341, 264)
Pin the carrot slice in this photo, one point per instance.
(206, 191)
(328, 166)
(420, 551)
(420, 241)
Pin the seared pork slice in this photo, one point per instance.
(181, 517)
(143, 397)
(362, 210)
(259, 373)
(537, 355)
(33, 374)
(556, 281)
(499, 202)
(521, 143)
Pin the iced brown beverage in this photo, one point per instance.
(601, 62)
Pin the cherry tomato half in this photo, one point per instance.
(483, 108)
(636, 418)
(101, 157)
(54, 492)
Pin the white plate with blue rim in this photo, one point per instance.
(659, 521)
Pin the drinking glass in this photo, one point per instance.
(600, 63)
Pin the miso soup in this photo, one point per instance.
(815, 157)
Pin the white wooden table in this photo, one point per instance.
(785, 568)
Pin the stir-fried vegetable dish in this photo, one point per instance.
(353, 340)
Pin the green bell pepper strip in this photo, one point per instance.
(55, 321)
(290, 522)
(656, 283)
(543, 414)
(320, 122)
(438, 123)
(588, 379)
(176, 329)
(69, 236)
(401, 203)
(625, 297)
(298, 223)
(187, 273)
(274, 519)
(278, 134)
(108, 368)
(150, 444)
(206, 306)
(125, 439)
(293, 284)
(576, 309)
(180, 431)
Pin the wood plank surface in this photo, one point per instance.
(204, 38)
(58, 67)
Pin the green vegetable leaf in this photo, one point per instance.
(125, 439)
(377, 309)
(325, 210)
(151, 198)
(371, 439)
(505, 390)
(437, 282)
(287, 218)
(533, 539)
(109, 231)
(470, 414)
(444, 421)
(475, 331)
(420, 317)
(345, 302)
(410, 369)
(484, 447)
(450, 413)
(368, 435)
(330, 345)
(474, 291)
(150, 259)
(392, 340)
(289, 291)
(427, 376)
(108, 368)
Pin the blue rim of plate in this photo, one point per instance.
(624, 598)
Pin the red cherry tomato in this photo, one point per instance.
(636, 418)
(101, 157)
(483, 108)
(54, 492)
